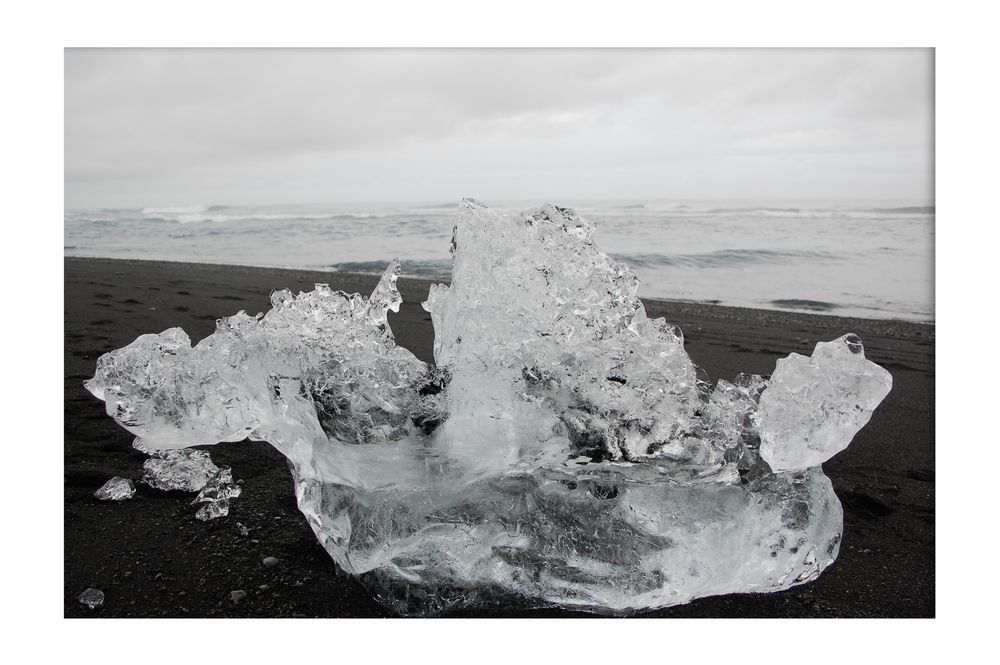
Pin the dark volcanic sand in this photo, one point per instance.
(152, 558)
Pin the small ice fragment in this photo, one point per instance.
(242, 529)
(185, 470)
(215, 495)
(813, 407)
(385, 296)
(116, 489)
(213, 510)
(219, 487)
(92, 598)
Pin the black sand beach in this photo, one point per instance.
(152, 558)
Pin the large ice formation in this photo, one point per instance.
(561, 451)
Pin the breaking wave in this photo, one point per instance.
(224, 214)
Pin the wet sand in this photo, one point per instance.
(152, 558)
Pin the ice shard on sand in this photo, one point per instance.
(561, 451)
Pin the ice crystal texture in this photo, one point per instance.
(116, 489)
(561, 451)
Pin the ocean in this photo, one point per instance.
(859, 259)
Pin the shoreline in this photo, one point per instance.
(152, 558)
(361, 276)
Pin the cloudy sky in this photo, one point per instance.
(154, 127)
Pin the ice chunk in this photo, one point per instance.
(92, 598)
(545, 340)
(147, 395)
(317, 361)
(564, 449)
(215, 495)
(188, 470)
(813, 407)
(213, 510)
(182, 470)
(116, 489)
(219, 487)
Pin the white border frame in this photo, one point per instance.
(34, 36)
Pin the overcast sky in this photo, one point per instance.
(154, 127)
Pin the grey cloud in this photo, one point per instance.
(152, 126)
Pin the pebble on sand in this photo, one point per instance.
(270, 562)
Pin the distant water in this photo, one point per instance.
(867, 260)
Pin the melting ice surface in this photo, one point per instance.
(561, 450)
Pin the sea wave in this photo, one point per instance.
(425, 268)
(874, 261)
(174, 210)
(810, 213)
(763, 211)
(434, 206)
(907, 210)
(722, 258)
(210, 216)
(802, 303)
